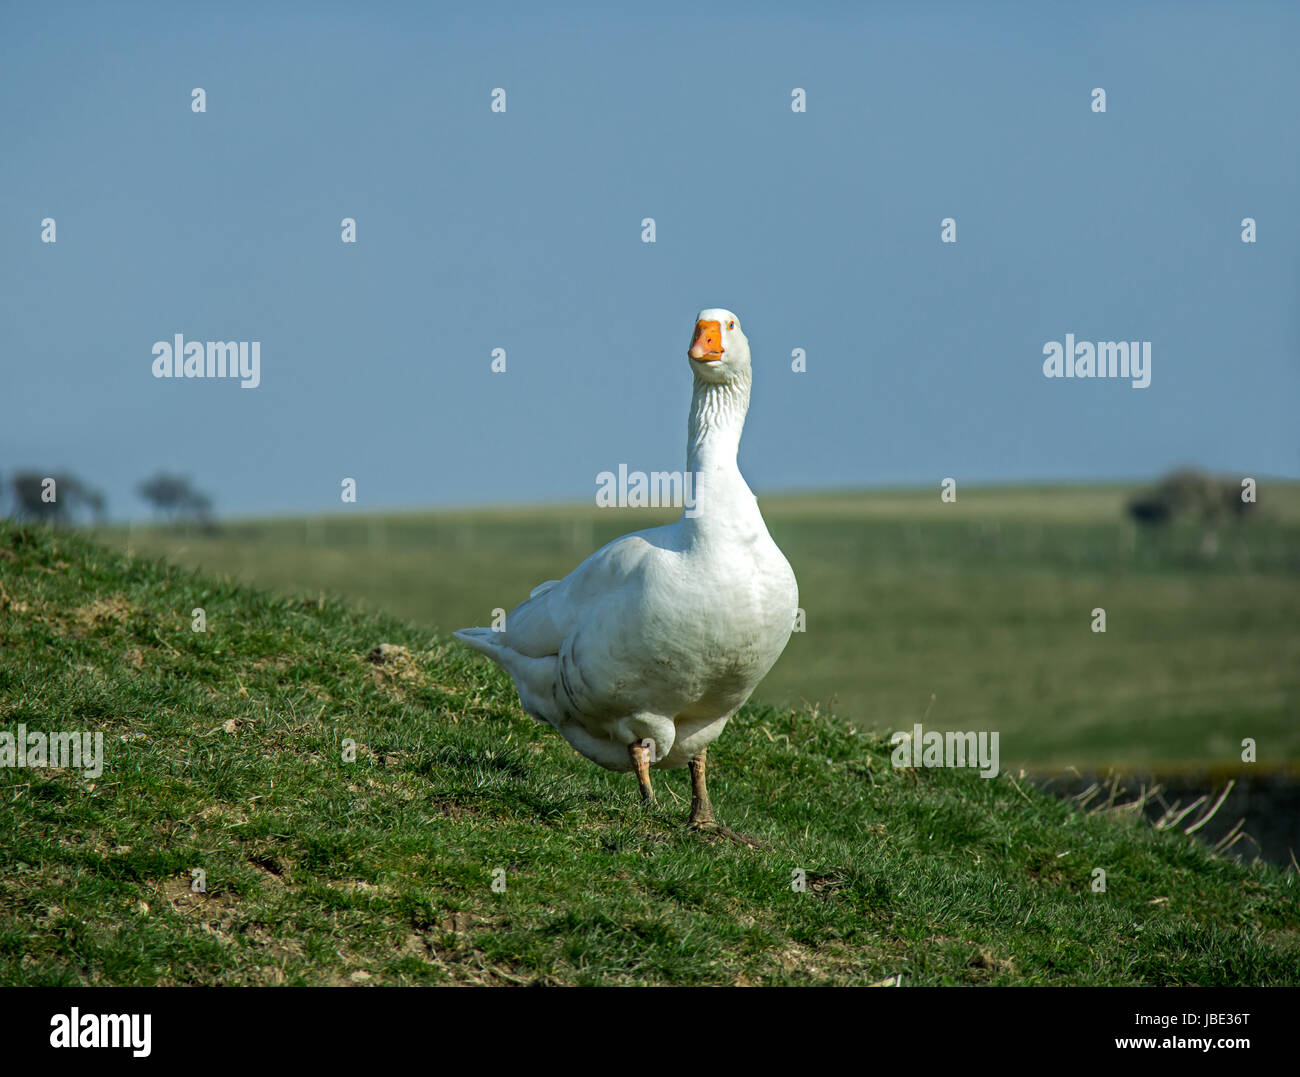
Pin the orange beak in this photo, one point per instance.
(707, 345)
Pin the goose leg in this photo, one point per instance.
(701, 808)
(640, 753)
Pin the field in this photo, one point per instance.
(347, 818)
(974, 615)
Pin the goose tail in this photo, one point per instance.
(534, 677)
(480, 639)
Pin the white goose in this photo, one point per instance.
(640, 655)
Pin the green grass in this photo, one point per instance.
(984, 604)
(225, 752)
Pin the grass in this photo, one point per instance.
(227, 752)
(985, 604)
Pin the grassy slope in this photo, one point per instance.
(984, 603)
(224, 753)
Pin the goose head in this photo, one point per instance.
(719, 350)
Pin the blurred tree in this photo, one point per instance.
(1192, 495)
(172, 496)
(54, 498)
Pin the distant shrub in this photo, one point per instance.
(1192, 495)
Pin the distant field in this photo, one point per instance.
(984, 604)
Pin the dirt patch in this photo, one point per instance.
(277, 950)
(824, 884)
(796, 958)
(7, 603)
(394, 669)
(388, 654)
(225, 814)
(353, 886)
(214, 913)
(271, 663)
(103, 611)
(986, 961)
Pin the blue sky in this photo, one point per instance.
(522, 230)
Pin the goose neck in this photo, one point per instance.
(717, 419)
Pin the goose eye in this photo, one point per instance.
(731, 325)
